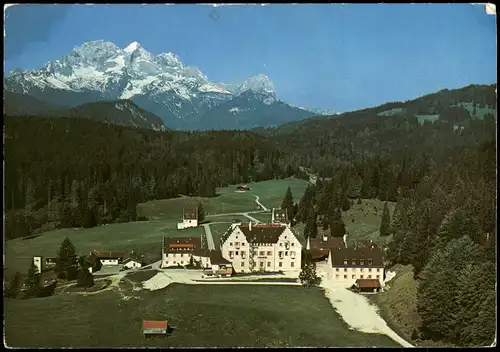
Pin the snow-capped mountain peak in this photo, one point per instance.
(258, 84)
(132, 47)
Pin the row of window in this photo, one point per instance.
(174, 262)
(360, 269)
(267, 244)
(263, 253)
(354, 276)
(361, 262)
(280, 264)
(181, 254)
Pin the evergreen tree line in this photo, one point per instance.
(81, 173)
(445, 228)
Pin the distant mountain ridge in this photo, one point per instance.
(119, 112)
(182, 96)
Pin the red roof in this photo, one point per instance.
(154, 324)
(368, 283)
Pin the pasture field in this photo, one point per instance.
(199, 316)
(140, 235)
(480, 112)
(263, 217)
(270, 193)
(398, 304)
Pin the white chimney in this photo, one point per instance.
(250, 226)
(325, 238)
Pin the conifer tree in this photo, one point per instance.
(308, 276)
(311, 228)
(32, 282)
(287, 204)
(14, 285)
(201, 213)
(337, 226)
(67, 261)
(385, 223)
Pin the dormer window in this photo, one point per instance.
(353, 262)
(362, 262)
(345, 261)
(370, 262)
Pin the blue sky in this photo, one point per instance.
(343, 57)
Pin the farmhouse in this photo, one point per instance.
(93, 262)
(178, 250)
(189, 218)
(351, 264)
(271, 247)
(131, 263)
(110, 258)
(42, 263)
(279, 216)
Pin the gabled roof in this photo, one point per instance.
(182, 244)
(132, 259)
(216, 258)
(267, 233)
(330, 243)
(154, 324)
(368, 283)
(91, 258)
(190, 213)
(355, 256)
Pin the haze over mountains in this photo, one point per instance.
(182, 96)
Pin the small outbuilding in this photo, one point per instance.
(131, 263)
(368, 285)
(154, 327)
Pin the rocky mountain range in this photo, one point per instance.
(182, 96)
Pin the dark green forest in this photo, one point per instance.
(442, 174)
(76, 172)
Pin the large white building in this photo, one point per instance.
(360, 263)
(177, 251)
(269, 247)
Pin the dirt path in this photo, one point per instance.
(355, 309)
(209, 237)
(259, 203)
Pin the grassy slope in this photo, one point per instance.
(114, 237)
(398, 305)
(146, 235)
(202, 315)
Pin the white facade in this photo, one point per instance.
(285, 255)
(187, 223)
(349, 275)
(38, 264)
(132, 264)
(109, 261)
(204, 261)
